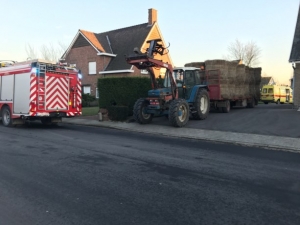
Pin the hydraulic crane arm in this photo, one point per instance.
(146, 61)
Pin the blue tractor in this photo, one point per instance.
(179, 95)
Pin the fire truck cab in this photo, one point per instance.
(38, 90)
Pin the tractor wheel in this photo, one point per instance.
(138, 112)
(6, 117)
(178, 113)
(226, 109)
(202, 105)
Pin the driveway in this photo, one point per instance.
(271, 119)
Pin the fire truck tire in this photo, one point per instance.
(202, 105)
(46, 121)
(138, 112)
(178, 113)
(6, 116)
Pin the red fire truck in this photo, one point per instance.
(38, 90)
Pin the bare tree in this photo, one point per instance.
(31, 53)
(47, 52)
(249, 53)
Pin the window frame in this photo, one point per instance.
(92, 68)
(97, 93)
(86, 86)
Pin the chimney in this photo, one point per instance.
(152, 17)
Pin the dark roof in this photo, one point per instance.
(122, 43)
(265, 80)
(295, 52)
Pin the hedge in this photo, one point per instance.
(123, 91)
(117, 113)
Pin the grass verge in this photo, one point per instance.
(90, 111)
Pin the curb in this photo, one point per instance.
(253, 140)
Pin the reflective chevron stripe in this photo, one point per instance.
(33, 94)
(78, 95)
(57, 96)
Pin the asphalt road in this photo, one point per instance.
(84, 175)
(271, 119)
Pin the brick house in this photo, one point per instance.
(295, 60)
(100, 55)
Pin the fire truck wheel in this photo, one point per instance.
(46, 120)
(178, 113)
(202, 105)
(6, 117)
(138, 112)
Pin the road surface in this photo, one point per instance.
(85, 175)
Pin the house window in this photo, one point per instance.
(86, 89)
(97, 93)
(144, 72)
(92, 68)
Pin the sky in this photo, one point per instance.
(197, 30)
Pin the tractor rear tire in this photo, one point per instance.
(202, 105)
(138, 112)
(178, 106)
(6, 116)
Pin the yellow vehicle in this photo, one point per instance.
(276, 94)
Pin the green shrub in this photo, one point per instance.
(117, 113)
(87, 99)
(122, 91)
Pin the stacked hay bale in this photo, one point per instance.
(231, 78)
(195, 64)
(251, 83)
(221, 65)
(257, 77)
(240, 81)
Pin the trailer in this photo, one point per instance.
(224, 102)
(38, 90)
(230, 83)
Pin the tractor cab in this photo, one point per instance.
(187, 78)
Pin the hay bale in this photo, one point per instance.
(195, 64)
(222, 66)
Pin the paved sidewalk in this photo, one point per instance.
(254, 140)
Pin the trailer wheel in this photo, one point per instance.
(226, 109)
(138, 112)
(202, 105)
(251, 104)
(178, 113)
(6, 117)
